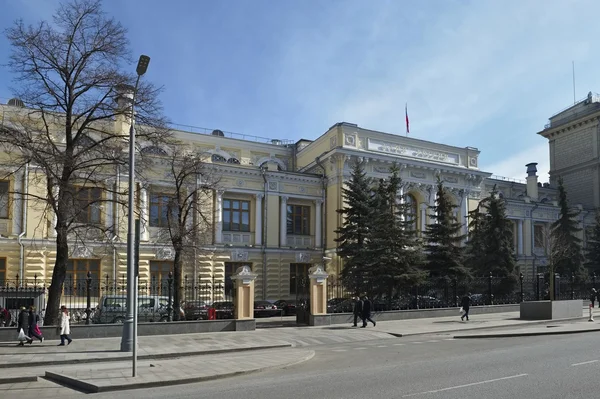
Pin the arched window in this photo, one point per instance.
(412, 214)
(233, 161)
(154, 150)
(218, 158)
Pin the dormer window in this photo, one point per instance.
(216, 158)
(233, 161)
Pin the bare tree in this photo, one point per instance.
(555, 251)
(188, 214)
(69, 77)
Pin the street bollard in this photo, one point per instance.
(591, 313)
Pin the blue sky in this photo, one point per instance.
(478, 73)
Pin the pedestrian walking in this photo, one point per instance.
(593, 296)
(465, 303)
(34, 329)
(23, 327)
(6, 318)
(358, 308)
(64, 326)
(366, 311)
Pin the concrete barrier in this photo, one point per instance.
(344, 318)
(551, 310)
(8, 334)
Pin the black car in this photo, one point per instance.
(265, 309)
(223, 310)
(195, 310)
(287, 306)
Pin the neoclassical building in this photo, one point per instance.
(274, 209)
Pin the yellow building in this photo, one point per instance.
(274, 209)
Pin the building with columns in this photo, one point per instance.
(274, 208)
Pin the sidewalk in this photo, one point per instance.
(554, 328)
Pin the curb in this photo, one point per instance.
(86, 387)
(15, 380)
(526, 334)
(535, 323)
(157, 356)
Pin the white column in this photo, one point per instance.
(283, 223)
(423, 217)
(144, 222)
(401, 195)
(318, 223)
(465, 214)
(259, 219)
(432, 198)
(219, 218)
(520, 237)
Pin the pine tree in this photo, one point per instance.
(593, 248)
(393, 246)
(474, 250)
(566, 246)
(445, 253)
(353, 234)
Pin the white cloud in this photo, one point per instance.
(514, 165)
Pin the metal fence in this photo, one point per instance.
(488, 290)
(103, 300)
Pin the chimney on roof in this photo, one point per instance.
(532, 181)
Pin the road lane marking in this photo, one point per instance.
(359, 349)
(433, 340)
(417, 342)
(582, 363)
(382, 346)
(339, 350)
(398, 344)
(466, 385)
(449, 339)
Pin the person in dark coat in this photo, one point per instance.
(6, 317)
(34, 330)
(23, 324)
(358, 308)
(465, 303)
(366, 311)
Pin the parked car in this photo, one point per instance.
(287, 306)
(265, 309)
(223, 309)
(195, 310)
(112, 309)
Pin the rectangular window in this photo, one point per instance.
(76, 278)
(159, 277)
(88, 206)
(159, 209)
(298, 220)
(539, 239)
(4, 196)
(236, 215)
(230, 270)
(298, 277)
(2, 271)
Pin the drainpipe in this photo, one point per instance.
(116, 224)
(25, 192)
(264, 234)
(324, 207)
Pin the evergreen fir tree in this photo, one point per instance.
(354, 231)
(445, 253)
(567, 255)
(474, 250)
(593, 248)
(393, 246)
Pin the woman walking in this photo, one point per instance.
(23, 327)
(34, 329)
(64, 326)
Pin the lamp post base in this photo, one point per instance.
(127, 338)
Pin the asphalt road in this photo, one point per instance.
(424, 367)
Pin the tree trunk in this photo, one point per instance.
(177, 283)
(58, 277)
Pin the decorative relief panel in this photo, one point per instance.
(165, 254)
(273, 186)
(302, 257)
(381, 169)
(418, 175)
(350, 140)
(239, 256)
(333, 142)
(82, 252)
(413, 152)
(450, 179)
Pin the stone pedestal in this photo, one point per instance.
(318, 296)
(552, 310)
(244, 293)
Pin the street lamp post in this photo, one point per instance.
(128, 340)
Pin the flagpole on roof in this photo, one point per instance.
(406, 116)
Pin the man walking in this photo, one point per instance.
(366, 311)
(358, 308)
(465, 304)
(593, 296)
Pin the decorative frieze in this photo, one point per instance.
(412, 151)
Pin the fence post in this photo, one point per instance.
(491, 296)
(572, 285)
(522, 293)
(537, 287)
(556, 286)
(170, 305)
(455, 292)
(594, 280)
(88, 310)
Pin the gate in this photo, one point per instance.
(302, 300)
